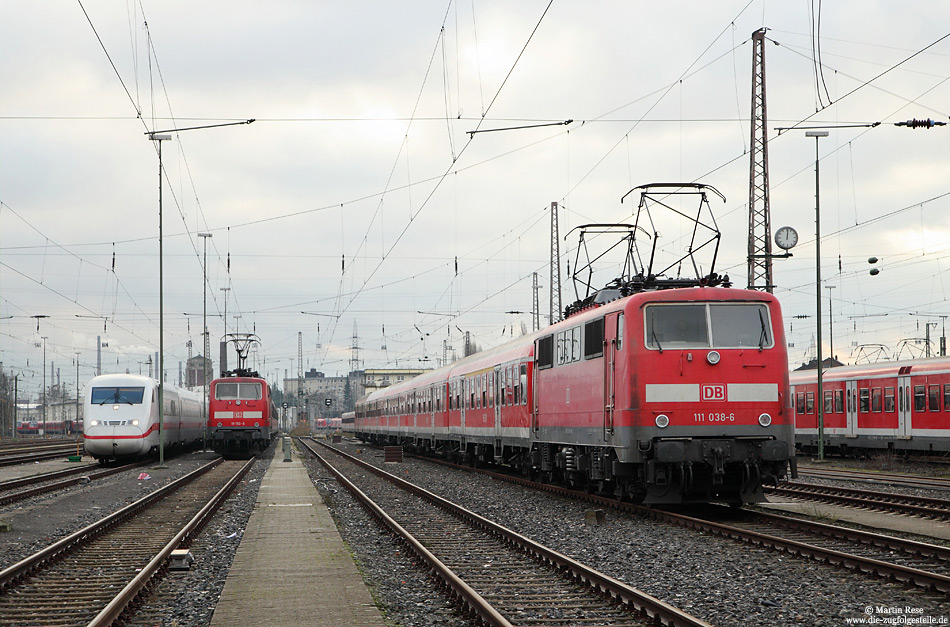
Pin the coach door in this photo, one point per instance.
(613, 334)
(499, 390)
(905, 406)
(851, 407)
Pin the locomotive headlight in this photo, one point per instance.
(713, 357)
(219, 424)
(93, 423)
(257, 424)
(662, 421)
(765, 420)
(135, 422)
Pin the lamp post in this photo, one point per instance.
(205, 344)
(159, 137)
(820, 401)
(159, 367)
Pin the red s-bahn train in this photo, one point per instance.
(657, 390)
(887, 406)
(242, 417)
(663, 397)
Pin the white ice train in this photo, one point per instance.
(120, 420)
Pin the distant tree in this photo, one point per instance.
(349, 403)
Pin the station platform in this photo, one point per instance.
(291, 567)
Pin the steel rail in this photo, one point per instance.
(462, 590)
(13, 460)
(897, 572)
(9, 484)
(935, 483)
(904, 504)
(62, 547)
(119, 605)
(659, 611)
(912, 547)
(6, 499)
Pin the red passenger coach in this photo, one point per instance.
(899, 406)
(242, 417)
(657, 390)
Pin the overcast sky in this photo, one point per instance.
(360, 196)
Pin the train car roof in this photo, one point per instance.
(879, 369)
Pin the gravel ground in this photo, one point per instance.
(188, 598)
(183, 598)
(42, 520)
(723, 582)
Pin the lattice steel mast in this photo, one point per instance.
(555, 290)
(760, 232)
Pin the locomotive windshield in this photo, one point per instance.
(117, 395)
(235, 391)
(708, 325)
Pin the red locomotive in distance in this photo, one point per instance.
(242, 417)
(660, 390)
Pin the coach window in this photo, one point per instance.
(946, 397)
(800, 403)
(864, 400)
(933, 398)
(809, 402)
(920, 398)
(876, 399)
(471, 393)
(524, 384)
(889, 400)
(484, 380)
(839, 401)
(828, 402)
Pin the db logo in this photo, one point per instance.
(713, 392)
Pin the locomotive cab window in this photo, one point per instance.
(545, 352)
(234, 391)
(708, 325)
(594, 338)
(117, 396)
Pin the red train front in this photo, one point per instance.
(692, 402)
(241, 415)
(657, 389)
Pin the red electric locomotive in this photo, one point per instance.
(242, 417)
(658, 390)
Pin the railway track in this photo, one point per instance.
(930, 483)
(57, 480)
(52, 452)
(914, 563)
(91, 576)
(922, 564)
(503, 577)
(925, 507)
